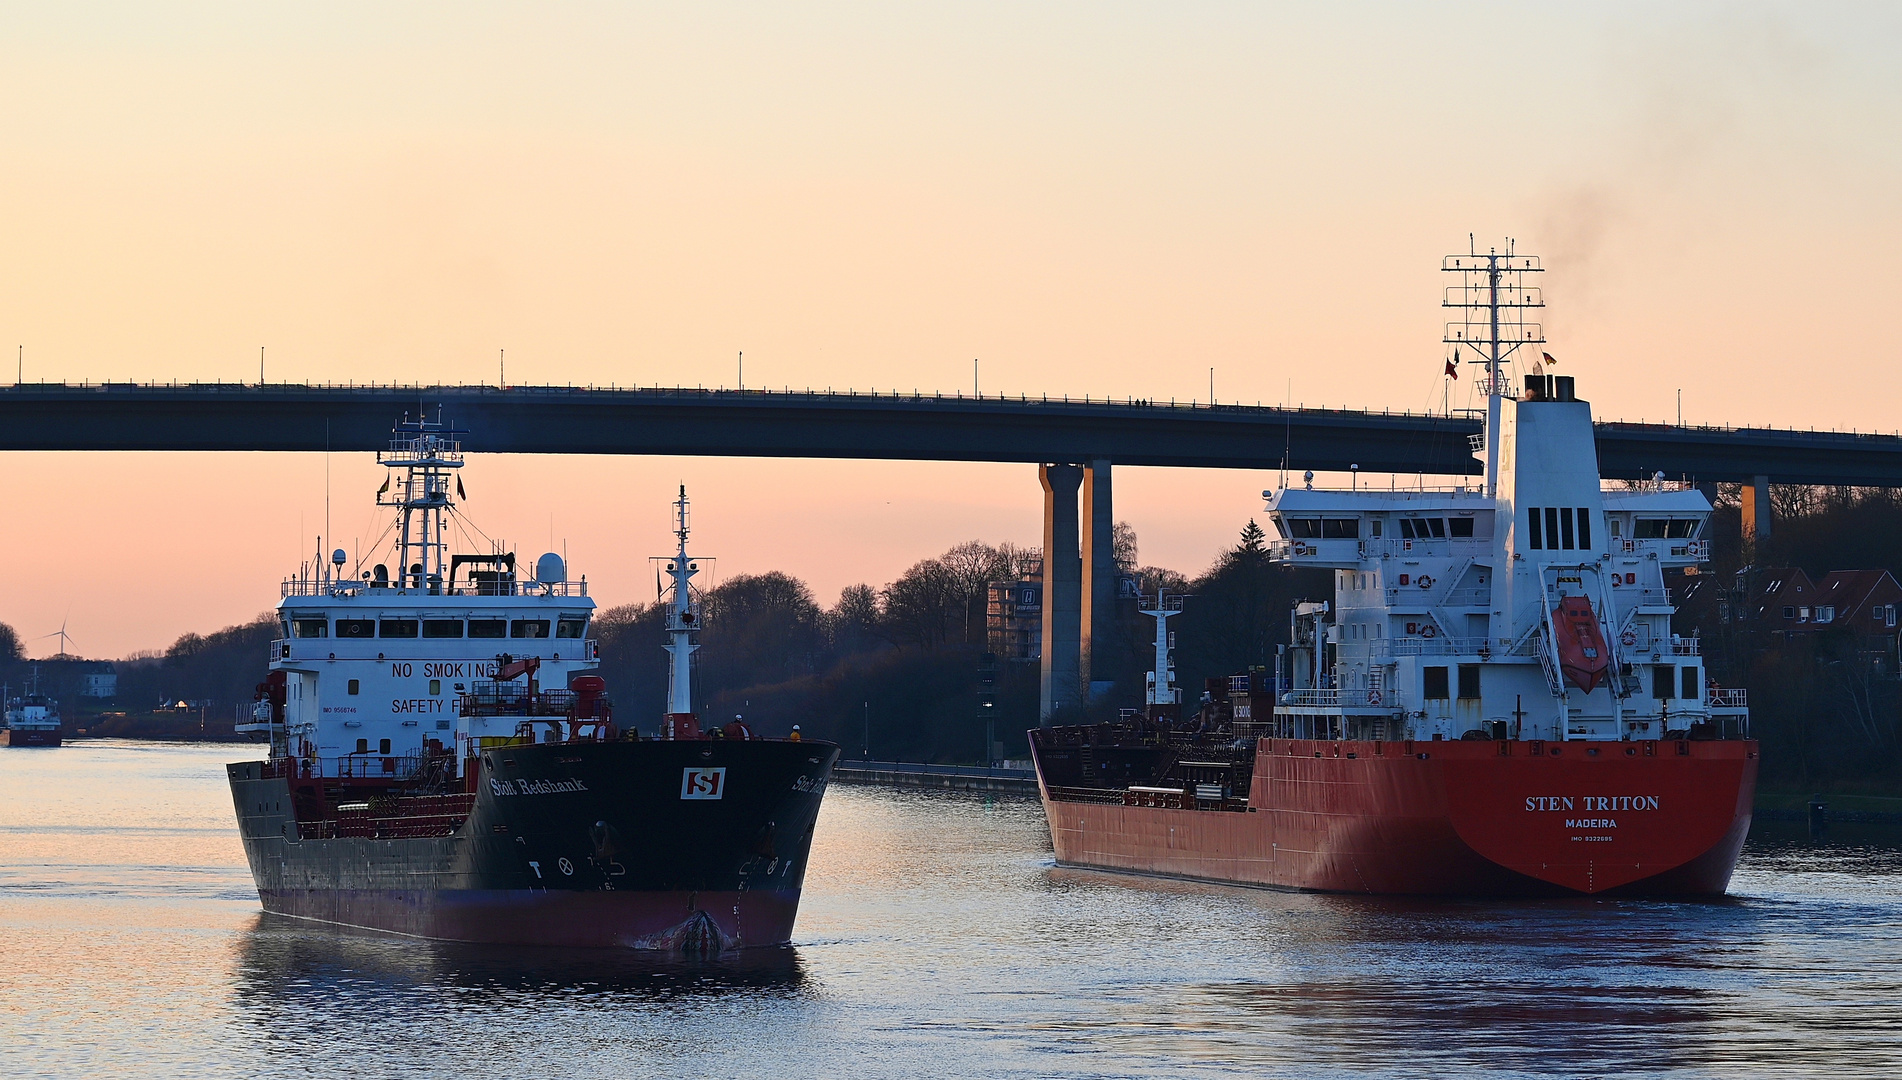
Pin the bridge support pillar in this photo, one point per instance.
(1062, 595)
(1099, 576)
(1756, 515)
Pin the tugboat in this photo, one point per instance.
(32, 719)
(445, 761)
(1491, 704)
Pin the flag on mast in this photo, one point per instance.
(1548, 358)
(384, 490)
(460, 494)
(1452, 370)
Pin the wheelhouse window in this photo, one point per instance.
(1460, 527)
(488, 628)
(442, 628)
(1427, 528)
(356, 628)
(1340, 528)
(1304, 528)
(1650, 528)
(396, 628)
(1681, 529)
(528, 628)
(310, 626)
(569, 626)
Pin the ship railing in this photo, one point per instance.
(1687, 647)
(1641, 595)
(1403, 595)
(322, 587)
(1725, 697)
(1370, 700)
(1083, 794)
(353, 767)
(1440, 646)
(1461, 547)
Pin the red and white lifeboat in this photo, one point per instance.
(1583, 656)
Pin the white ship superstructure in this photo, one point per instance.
(1532, 605)
(365, 675)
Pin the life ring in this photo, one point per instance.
(1425, 581)
(1373, 697)
(1628, 638)
(1301, 549)
(1429, 630)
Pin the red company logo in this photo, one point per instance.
(703, 783)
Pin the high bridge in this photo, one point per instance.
(1073, 441)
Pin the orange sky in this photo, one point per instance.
(1104, 199)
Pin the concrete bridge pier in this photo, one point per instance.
(1079, 581)
(1756, 515)
(1099, 576)
(1061, 690)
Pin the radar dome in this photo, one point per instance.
(550, 570)
(338, 557)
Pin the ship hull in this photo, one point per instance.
(29, 737)
(610, 844)
(1466, 818)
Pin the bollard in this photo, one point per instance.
(1819, 817)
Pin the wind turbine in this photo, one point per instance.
(64, 638)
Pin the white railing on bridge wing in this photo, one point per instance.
(1461, 548)
(1724, 697)
(1687, 647)
(319, 587)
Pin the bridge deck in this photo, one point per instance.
(755, 423)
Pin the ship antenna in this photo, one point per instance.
(683, 622)
(1491, 300)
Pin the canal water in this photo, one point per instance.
(936, 939)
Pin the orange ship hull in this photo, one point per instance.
(1467, 818)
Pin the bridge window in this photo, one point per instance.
(1340, 528)
(307, 627)
(1533, 532)
(528, 628)
(1689, 687)
(356, 627)
(1469, 682)
(442, 628)
(1565, 527)
(488, 628)
(1584, 529)
(1649, 528)
(1304, 528)
(571, 627)
(396, 628)
(1460, 526)
(1423, 528)
(1434, 684)
(1681, 528)
(1663, 678)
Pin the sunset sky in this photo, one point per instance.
(1090, 198)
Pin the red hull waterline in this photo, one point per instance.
(1446, 818)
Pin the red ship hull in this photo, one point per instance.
(1467, 818)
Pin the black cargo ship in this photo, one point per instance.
(421, 781)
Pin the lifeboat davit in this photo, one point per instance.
(1583, 656)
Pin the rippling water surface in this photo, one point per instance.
(936, 939)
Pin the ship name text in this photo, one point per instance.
(535, 787)
(1590, 803)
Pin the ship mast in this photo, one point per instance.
(682, 620)
(427, 455)
(1492, 298)
(1162, 678)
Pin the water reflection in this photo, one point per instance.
(291, 963)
